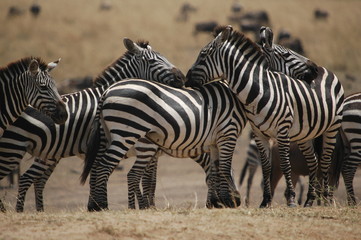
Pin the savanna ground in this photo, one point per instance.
(88, 39)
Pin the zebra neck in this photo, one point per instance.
(12, 101)
(246, 80)
(119, 70)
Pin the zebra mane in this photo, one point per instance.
(20, 66)
(100, 80)
(238, 37)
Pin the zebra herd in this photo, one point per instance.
(140, 107)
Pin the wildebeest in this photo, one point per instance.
(286, 39)
(206, 27)
(184, 12)
(35, 9)
(75, 84)
(15, 11)
(320, 14)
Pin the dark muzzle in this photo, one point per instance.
(60, 115)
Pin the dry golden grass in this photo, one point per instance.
(88, 40)
(275, 223)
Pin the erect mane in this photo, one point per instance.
(237, 36)
(20, 66)
(99, 81)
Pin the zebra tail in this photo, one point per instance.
(243, 173)
(92, 149)
(338, 157)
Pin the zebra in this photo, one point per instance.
(282, 60)
(27, 81)
(348, 145)
(178, 146)
(34, 133)
(277, 106)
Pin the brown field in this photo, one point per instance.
(88, 39)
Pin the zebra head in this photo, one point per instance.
(207, 65)
(153, 66)
(285, 60)
(42, 92)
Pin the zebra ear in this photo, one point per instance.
(224, 35)
(266, 37)
(33, 67)
(52, 65)
(131, 46)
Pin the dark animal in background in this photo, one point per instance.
(105, 5)
(184, 12)
(35, 9)
(71, 85)
(285, 38)
(320, 14)
(206, 27)
(236, 7)
(251, 22)
(15, 11)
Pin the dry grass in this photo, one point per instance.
(274, 223)
(88, 40)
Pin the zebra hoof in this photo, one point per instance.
(308, 203)
(291, 202)
(266, 203)
(97, 207)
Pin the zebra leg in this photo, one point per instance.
(6, 168)
(149, 183)
(134, 177)
(251, 173)
(39, 185)
(35, 171)
(284, 151)
(228, 191)
(312, 163)
(264, 153)
(348, 174)
(328, 146)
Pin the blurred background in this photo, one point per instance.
(87, 36)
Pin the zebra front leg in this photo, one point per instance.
(228, 191)
(39, 185)
(36, 170)
(284, 151)
(308, 152)
(264, 153)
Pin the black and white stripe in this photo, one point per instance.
(146, 153)
(348, 147)
(36, 134)
(283, 60)
(182, 122)
(277, 106)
